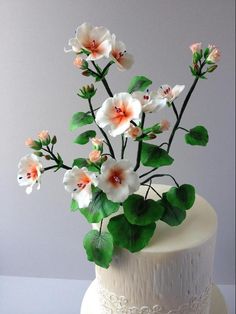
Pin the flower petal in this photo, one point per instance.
(176, 90)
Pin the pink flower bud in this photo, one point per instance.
(43, 135)
(95, 156)
(134, 132)
(29, 142)
(165, 125)
(97, 141)
(78, 62)
(214, 55)
(196, 47)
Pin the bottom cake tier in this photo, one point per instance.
(91, 304)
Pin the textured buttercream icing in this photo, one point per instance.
(173, 274)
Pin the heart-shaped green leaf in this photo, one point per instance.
(83, 162)
(99, 248)
(132, 237)
(142, 212)
(197, 136)
(173, 215)
(80, 119)
(139, 83)
(154, 156)
(84, 137)
(182, 197)
(99, 208)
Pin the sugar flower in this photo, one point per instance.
(78, 62)
(150, 101)
(95, 156)
(44, 136)
(30, 142)
(117, 112)
(79, 182)
(97, 141)
(123, 60)
(196, 47)
(29, 172)
(118, 180)
(214, 55)
(165, 125)
(95, 40)
(133, 132)
(166, 91)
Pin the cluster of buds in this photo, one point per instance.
(158, 128)
(211, 55)
(95, 156)
(44, 139)
(87, 92)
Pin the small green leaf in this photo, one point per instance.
(173, 215)
(206, 53)
(131, 237)
(99, 248)
(182, 197)
(142, 212)
(193, 71)
(83, 162)
(154, 156)
(197, 136)
(74, 205)
(196, 57)
(80, 119)
(139, 83)
(212, 68)
(99, 208)
(37, 145)
(84, 137)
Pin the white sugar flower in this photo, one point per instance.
(118, 180)
(95, 40)
(78, 182)
(150, 101)
(29, 172)
(117, 112)
(123, 60)
(166, 91)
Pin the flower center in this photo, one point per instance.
(118, 110)
(83, 181)
(145, 97)
(166, 91)
(32, 173)
(116, 177)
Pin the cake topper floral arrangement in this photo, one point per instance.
(105, 181)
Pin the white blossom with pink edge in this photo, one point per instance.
(29, 172)
(117, 112)
(123, 60)
(166, 91)
(118, 180)
(95, 40)
(78, 182)
(150, 101)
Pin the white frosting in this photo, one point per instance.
(172, 275)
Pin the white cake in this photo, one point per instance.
(172, 275)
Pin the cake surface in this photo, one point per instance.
(173, 274)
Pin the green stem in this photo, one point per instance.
(101, 130)
(183, 108)
(104, 81)
(180, 128)
(49, 168)
(158, 176)
(140, 145)
(48, 150)
(153, 189)
(100, 229)
(146, 195)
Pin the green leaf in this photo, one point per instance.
(74, 205)
(206, 53)
(139, 211)
(99, 208)
(173, 215)
(132, 237)
(197, 136)
(196, 57)
(99, 248)
(37, 145)
(59, 162)
(84, 137)
(193, 71)
(212, 68)
(182, 197)
(154, 156)
(83, 162)
(80, 119)
(139, 83)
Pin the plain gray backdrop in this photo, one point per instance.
(39, 236)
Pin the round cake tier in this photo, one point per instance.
(173, 274)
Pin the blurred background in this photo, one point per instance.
(39, 236)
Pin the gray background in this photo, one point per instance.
(39, 236)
